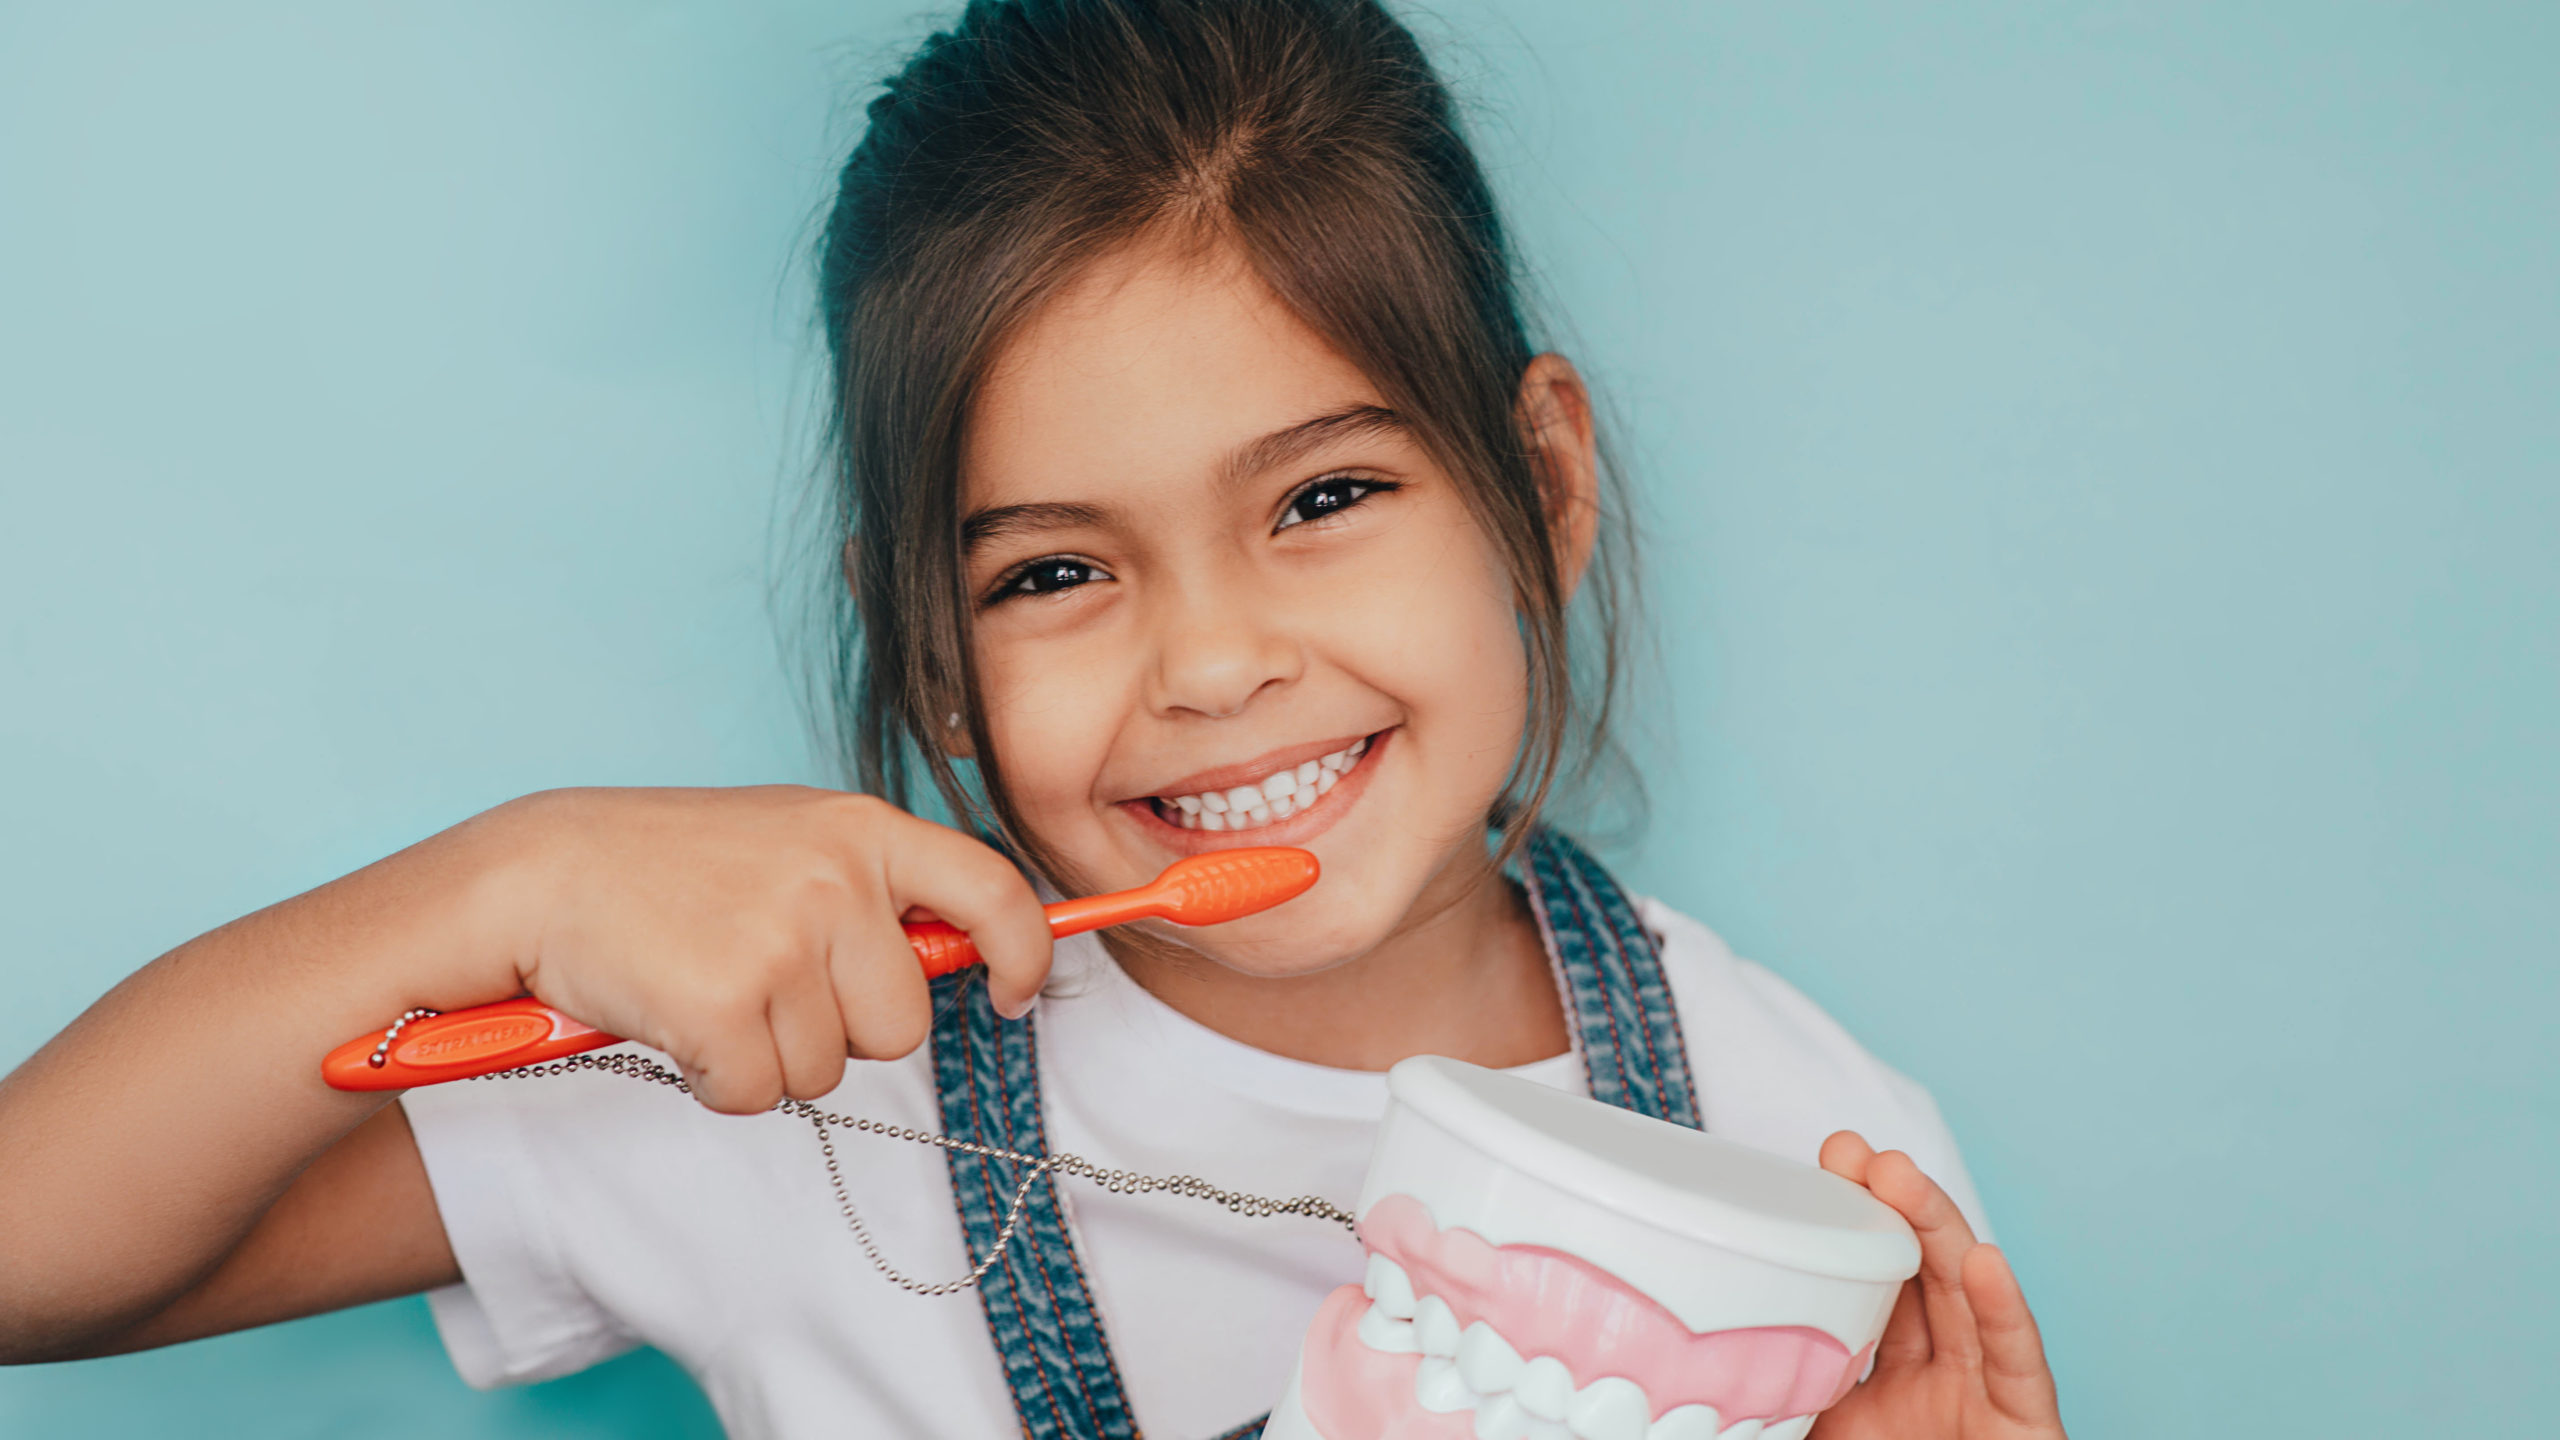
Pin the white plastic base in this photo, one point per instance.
(1289, 1418)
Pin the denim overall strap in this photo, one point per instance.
(1610, 971)
(1047, 1329)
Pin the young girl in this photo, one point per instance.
(1199, 487)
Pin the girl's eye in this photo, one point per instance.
(1049, 576)
(1329, 496)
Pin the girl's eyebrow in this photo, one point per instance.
(999, 521)
(1267, 452)
(1282, 446)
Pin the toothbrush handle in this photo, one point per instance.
(485, 1039)
(459, 1044)
(945, 948)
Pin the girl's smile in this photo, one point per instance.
(1287, 797)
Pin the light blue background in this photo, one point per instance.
(2100, 472)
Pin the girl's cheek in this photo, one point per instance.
(1436, 622)
(1052, 712)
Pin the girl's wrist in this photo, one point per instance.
(499, 893)
(442, 924)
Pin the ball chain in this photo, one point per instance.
(1036, 1167)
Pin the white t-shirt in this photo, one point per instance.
(591, 1213)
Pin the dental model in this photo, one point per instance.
(1542, 1266)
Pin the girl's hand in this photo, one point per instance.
(752, 935)
(1961, 1358)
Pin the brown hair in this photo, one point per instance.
(1036, 135)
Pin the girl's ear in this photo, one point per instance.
(1555, 412)
(955, 737)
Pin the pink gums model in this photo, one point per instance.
(1545, 1302)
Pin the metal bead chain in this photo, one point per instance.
(384, 1049)
(825, 1123)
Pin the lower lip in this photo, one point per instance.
(1299, 828)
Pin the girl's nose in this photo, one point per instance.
(1216, 649)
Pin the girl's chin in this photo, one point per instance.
(1292, 959)
(1289, 943)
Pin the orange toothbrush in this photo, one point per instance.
(1208, 889)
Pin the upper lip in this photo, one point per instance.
(1227, 777)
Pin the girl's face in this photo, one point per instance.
(1203, 555)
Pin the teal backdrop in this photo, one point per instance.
(2098, 462)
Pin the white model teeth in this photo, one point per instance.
(1545, 1388)
(1486, 1361)
(1434, 1325)
(1393, 1337)
(1439, 1390)
(1277, 796)
(1389, 1289)
(1696, 1422)
(1474, 1368)
(1609, 1407)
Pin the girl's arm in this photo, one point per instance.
(147, 1140)
(360, 1225)
(176, 1168)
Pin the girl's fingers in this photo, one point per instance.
(732, 1066)
(1846, 1154)
(1944, 1238)
(1906, 1335)
(971, 886)
(808, 1033)
(2014, 1373)
(881, 996)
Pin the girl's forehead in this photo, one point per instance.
(1159, 357)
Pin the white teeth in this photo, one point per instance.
(1613, 1408)
(1686, 1422)
(1486, 1360)
(1386, 1284)
(1276, 796)
(1213, 821)
(1435, 1326)
(1437, 1388)
(1545, 1388)
(1514, 1399)
(1393, 1337)
(1500, 1418)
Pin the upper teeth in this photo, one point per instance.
(1474, 1368)
(1276, 796)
